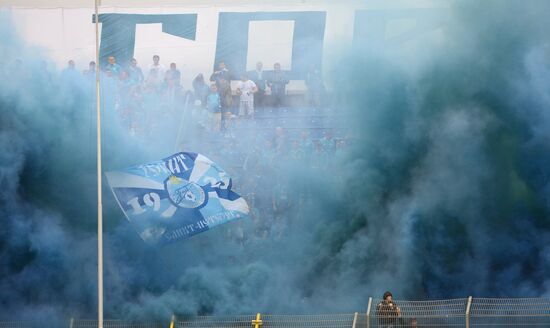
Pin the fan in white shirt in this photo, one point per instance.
(246, 89)
(156, 71)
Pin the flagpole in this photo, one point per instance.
(99, 184)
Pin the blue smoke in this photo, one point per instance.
(442, 192)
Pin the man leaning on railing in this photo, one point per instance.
(388, 312)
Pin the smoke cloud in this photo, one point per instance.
(442, 191)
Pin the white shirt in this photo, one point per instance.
(247, 89)
(160, 71)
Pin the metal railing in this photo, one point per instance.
(510, 312)
(463, 312)
(217, 321)
(273, 321)
(13, 324)
(115, 324)
(318, 321)
(440, 313)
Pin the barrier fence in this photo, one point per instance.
(440, 313)
(115, 324)
(495, 312)
(274, 321)
(464, 312)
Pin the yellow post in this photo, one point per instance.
(258, 322)
(172, 322)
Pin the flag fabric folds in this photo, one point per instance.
(177, 197)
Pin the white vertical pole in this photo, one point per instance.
(354, 324)
(99, 184)
(468, 306)
(368, 312)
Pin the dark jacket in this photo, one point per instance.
(260, 81)
(277, 82)
(387, 313)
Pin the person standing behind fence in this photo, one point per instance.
(70, 76)
(90, 72)
(221, 74)
(89, 76)
(259, 78)
(214, 107)
(134, 72)
(113, 66)
(387, 312)
(156, 72)
(200, 89)
(246, 90)
(277, 82)
(174, 75)
(226, 98)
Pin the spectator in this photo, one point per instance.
(387, 311)
(171, 86)
(154, 81)
(174, 75)
(277, 82)
(226, 98)
(213, 104)
(113, 66)
(315, 87)
(156, 72)
(227, 124)
(200, 89)
(90, 72)
(280, 141)
(70, 75)
(258, 77)
(327, 146)
(134, 72)
(221, 73)
(246, 89)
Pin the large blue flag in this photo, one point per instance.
(177, 197)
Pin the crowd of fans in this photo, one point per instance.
(142, 97)
(275, 174)
(260, 163)
(139, 99)
(263, 163)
